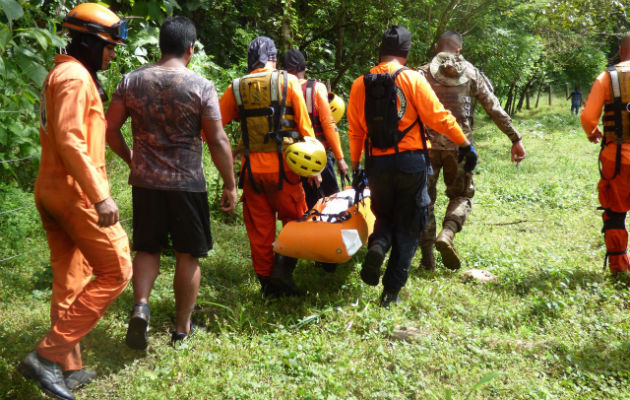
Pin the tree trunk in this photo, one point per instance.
(538, 95)
(508, 102)
(527, 99)
(285, 32)
(549, 94)
(566, 87)
(340, 36)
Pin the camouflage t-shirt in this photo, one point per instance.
(166, 106)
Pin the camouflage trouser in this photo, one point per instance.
(459, 189)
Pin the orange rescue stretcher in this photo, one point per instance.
(332, 231)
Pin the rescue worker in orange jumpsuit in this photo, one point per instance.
(316, 98)
(397, 165)
(270, 188)
(73, 199)
(611, 92)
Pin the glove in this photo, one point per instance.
(469, 156)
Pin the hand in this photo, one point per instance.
(107, 212)
(342, 167)
(356, 165)
(518, 152)
(228, 200)
(468, 155)
(595, 136)
(315, 180)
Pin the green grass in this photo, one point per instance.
(554, 326)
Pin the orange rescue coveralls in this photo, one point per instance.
(71, 179)
(614, 194)
(260, 208)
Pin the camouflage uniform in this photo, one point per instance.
(458, 98)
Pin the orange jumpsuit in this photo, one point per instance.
(614, 194)
(71, 179)
(261, 208)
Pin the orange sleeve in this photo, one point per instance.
(325, 117)
(300, 113)
(71, 99)
(357, 130)
(432, 112)
(598, 95)
(227, 104)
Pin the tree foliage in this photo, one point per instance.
(520, 45)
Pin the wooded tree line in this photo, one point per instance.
(521, 45)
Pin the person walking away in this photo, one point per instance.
(386, 112)
(325, 128)
(611, 92)
(456, 83)
(576, 101)
(74, 202)
(270, 107)
(169, 106)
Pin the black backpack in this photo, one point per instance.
(381, 111)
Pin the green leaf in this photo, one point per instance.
(12, 9)
(485, 379)
(5, 36)
(2, 68)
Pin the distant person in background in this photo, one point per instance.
(73, 199)
(456, 82)
(576, 101)
(611, 92)
(169, 106)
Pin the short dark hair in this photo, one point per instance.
(176, 35)
(457, 35)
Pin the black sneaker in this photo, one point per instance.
(138, 330)
(180, 336)
(76, 378)
(371, 270)
(46, 374)
(388, 297)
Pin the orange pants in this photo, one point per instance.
(79, 248)
(260, 211)
(614, 197)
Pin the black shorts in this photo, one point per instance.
(183, 215)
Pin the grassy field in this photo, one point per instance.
(554, 325)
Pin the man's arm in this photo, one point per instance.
(71, 143)
(502, 120)
(221, 153)
(116, 117)
(593, 108)
(329, 126)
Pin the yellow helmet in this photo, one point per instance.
(337, 106)
(97, 20)
(307, 158)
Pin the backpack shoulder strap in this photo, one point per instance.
(309, 95)
(236, 91)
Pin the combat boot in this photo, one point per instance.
(282, 276)
(428, 257)
(444, 244)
